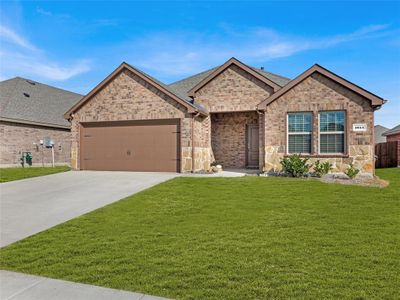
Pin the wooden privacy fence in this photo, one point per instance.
(386, 155)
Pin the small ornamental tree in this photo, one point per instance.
(295, 166)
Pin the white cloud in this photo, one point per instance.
(183, 53)
(47, 13)
(57, 72)
(22, 58)
(6, 34)
(45, 69)
(44, 12)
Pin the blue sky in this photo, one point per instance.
(74, 45)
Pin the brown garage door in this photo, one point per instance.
(131, 146)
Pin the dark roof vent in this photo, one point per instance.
(262, 68)
(31, 82)
(27, 95)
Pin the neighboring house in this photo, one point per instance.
(393, 135)
(378, 134)
(30, 112)
(234, 115)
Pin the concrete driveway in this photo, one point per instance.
(33, 205)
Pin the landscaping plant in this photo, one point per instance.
(322, 169)
(351, 171)
(295, 166)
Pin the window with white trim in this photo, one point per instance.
(331, 132)
(299, 132)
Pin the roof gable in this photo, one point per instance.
(152, 81)
(227, 64)
(375, 100)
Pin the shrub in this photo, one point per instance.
(322, 168)
(295, 166)
(351, 171)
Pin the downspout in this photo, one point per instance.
(373, 144)
(194, 116)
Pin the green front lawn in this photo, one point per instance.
(231, 238)
(10, 174)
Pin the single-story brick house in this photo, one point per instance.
(30, 112)
(234, 115)
(379, 131)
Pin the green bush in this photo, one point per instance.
(351, 171)
(295, 166)
(321, 169)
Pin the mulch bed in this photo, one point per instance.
(359, 180)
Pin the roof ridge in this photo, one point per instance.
(279, 80)
(395, 129)
(50, 86)
(268, 72)
(194, 75)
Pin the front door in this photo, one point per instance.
(252, 145)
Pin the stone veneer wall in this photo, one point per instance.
(128, 97)
(233, 90)
(17, 138)
(228, 137)
(202, 143)
(318, 93)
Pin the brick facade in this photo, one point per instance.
(318, 93)
(17, 138)
(228, 137)
(233, 90)
(129, 97)
(231, 99)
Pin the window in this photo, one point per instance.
(331, 132)
(299, 132)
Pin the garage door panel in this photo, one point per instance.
(130, 147)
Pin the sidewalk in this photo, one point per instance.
(18, 286)
(225, 173)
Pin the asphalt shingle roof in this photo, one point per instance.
(182, 87)
(30, 101)
(394, 130)
(378, 133)
(278, 79)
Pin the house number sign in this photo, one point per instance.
(360, 127)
